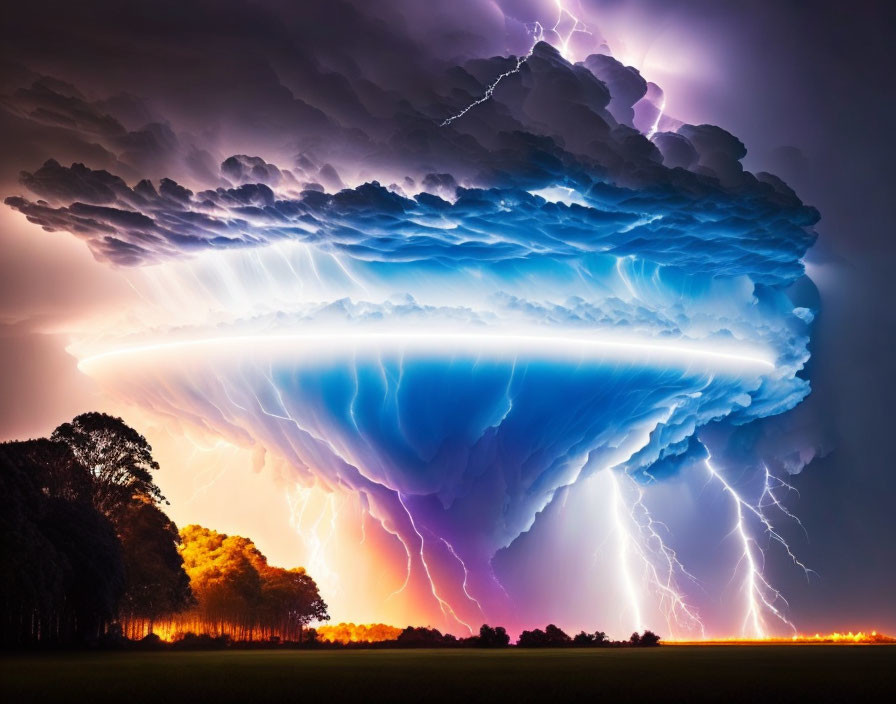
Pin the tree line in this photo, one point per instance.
(90, 557)
(89, 553)
(497, 637)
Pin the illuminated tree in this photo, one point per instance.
(239, 594)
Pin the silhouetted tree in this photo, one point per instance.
(119, 462)
(117, 456)
(492, 637)
(635, 639)
(532, 639)
(61, 571)
(555, 637)
(649, 639)
(422, 637)
(600, 638)
(583, 639)
(156, 584)
(90, 564)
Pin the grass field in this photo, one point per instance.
(665, 674)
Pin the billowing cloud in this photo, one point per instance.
(453, 319)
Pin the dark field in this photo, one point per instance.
(666, 674)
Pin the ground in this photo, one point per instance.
(814, 673)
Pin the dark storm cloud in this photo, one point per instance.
(689, 223)
(549, 124)
(300, 91)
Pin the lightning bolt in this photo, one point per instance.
(297, 502)
(638, 539)
(656, 123)
(762, 598)
(577, 26)
(466, 575)
(537, 31)
(672, 602)
(444, 605)
(623, 538)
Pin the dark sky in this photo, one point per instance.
(820, 76)
(809, 88)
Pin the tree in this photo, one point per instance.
(89, 560)
(290, 600)
(119, 464)
(423, 637)
(555, 637)
(156, 583)
(492, 637)
(635, 639)
(532, 639)
(61, 574)
(117, 456)
(649, 639)
(238, 592)
(583, 639)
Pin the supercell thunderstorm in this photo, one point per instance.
(537, 289)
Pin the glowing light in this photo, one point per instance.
(574, 24)
(682, 352)
(357, 633)
(624, 541)
(656, 123)
(849, 638)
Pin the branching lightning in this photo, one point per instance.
(466, 575)
(762, 598)
(538, 33)
(536, 30)
(575, 25)
(297, 500)
(638, 539)
(443, 605)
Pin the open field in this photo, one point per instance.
(665, 674)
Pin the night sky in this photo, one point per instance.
(172, 89)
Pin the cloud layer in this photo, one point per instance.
(304, 191)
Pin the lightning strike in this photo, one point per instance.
(576, 25)
(536, 30)
(466, 576)
(444, 605)
(638, 539)
(761, 597)
(656, 123)
(624, 548)
(538, 33)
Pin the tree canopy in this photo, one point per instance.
(238, 592)
(117, 456)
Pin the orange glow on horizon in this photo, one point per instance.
(358, 633)
(849, 638)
